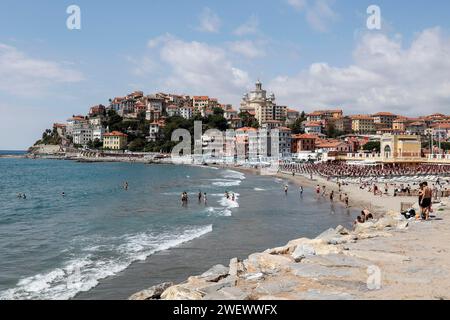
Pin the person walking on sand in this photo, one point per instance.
(324, 193)
(427, 200)
(301, 190)
(332, 196)
(346, 200)
(318, 189)
(286, 188)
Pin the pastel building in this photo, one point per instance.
(115, 140)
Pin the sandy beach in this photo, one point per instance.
(389, 258)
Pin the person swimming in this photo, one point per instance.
(63, 194)
(24, 196)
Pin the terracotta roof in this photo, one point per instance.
(418, 123)
(328, 144)
(246, 129)
(384, 114)
(115, 134)
(304, 136)
(441, 126)
(361, 117)
(313, 124)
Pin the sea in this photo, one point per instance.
(79, 234)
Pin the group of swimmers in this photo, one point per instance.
(342, 197)
(21, 196)
(202, 197)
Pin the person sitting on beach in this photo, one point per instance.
(358, 221)
(363, 217)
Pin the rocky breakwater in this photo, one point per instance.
(335, 265)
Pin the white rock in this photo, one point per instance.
(303, 251)
(215, 273)
(179, 292)
(152, 292)
(266, 263)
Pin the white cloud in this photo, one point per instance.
(23, 75)
(319, 13)
(209, 21)
(198, 68)
(249, 27)
(297, 4)
(385, 76)
(247, 48)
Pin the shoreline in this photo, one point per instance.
(337, 264)
(241, 276)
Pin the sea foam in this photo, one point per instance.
(84, 272)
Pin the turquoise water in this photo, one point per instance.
(54, 247)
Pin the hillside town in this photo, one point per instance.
(144, 123)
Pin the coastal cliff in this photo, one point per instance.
(390, 258)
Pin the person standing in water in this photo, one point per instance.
(286, 188)
(125, 185)
(200, 196)
(301, 190)
(332, 196)
(205, 199)
(346, 200)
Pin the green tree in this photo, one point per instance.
(137, 145)
(372, 146)
(248, 120)
(445, 146)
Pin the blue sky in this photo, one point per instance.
(310, 53)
